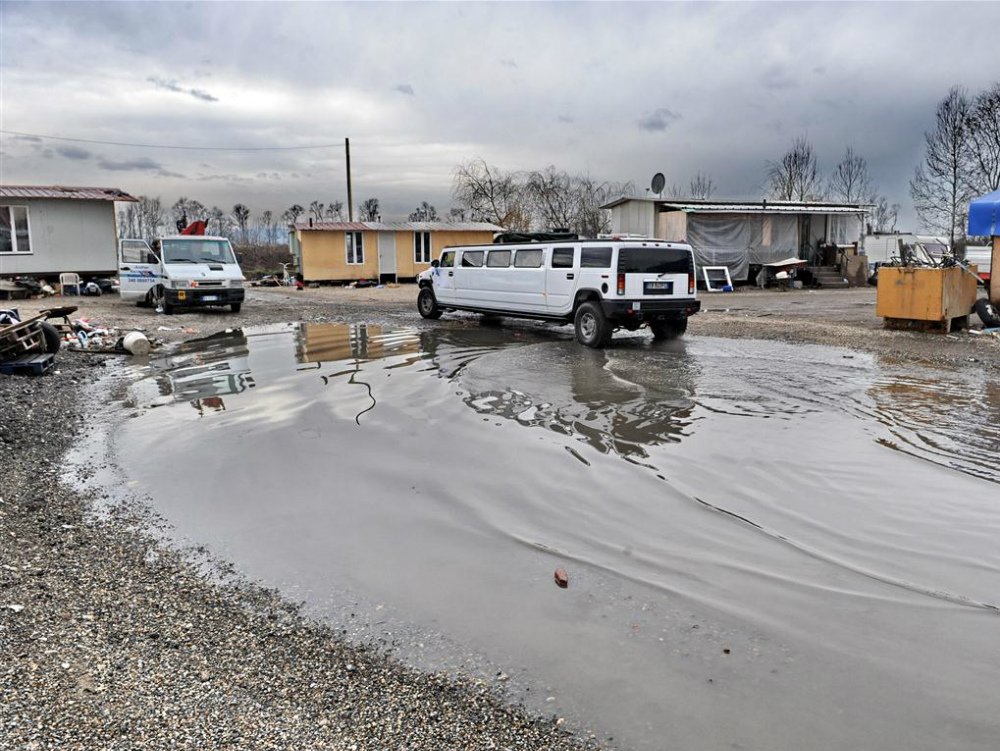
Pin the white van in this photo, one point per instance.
(598, 285)
(180, 271)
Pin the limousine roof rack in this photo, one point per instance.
(534, 237)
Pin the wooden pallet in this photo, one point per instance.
(28, 364)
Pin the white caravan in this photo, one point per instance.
(598, 285)
(180, 271)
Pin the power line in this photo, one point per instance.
(171, 146)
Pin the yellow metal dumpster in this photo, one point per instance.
(925, 297)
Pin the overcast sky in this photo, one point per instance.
(617, 90)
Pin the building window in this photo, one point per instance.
(421, 247)
(14, 234)
(355, 248)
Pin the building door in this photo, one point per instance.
(386, 256)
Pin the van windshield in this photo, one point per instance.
(197, 251)
(653, 261)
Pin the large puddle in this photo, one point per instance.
(770, 546)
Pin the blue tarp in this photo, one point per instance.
(984, 215)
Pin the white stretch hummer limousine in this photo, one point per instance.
(597, 285)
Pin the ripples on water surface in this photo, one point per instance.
(830, 519)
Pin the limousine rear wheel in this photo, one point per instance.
(427, 304)
(592, 328)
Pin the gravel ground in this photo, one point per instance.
(110, 640)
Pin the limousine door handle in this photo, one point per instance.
(451, 273)
(569, 276)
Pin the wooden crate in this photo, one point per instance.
(925, 297)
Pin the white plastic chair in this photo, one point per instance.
(69, 280)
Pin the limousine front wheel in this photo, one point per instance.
(427, 304)
(592, 328)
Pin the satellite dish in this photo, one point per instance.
(658, 182)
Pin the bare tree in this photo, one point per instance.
(940, 186)
(144, 220)
(368, 210)
(884, 215)
(241, 214)
(701, 187)
(984, 141)
(425, 212)
(553, 198)
(335, 211)
(796, 177)
(269, 229)
(491, 194)
(292, 213)
(456, 214)
(850, 181)
(185, 211)
(316, 209)
(591, 219)
(220, 222)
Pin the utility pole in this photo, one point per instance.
(350, 196)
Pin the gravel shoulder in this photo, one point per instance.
(110, 640)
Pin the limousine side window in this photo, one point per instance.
(498, 259)
(595, 258)
(472, 258)
(562, 258)
(528, 259)
(447, 259)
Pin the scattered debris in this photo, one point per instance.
(562, 578)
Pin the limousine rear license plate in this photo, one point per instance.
(659, 288)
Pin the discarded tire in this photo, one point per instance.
(987, 313)
(52, 338)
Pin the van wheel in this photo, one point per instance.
(235, 306)
(669, 329)
(427, 304)
(592, 328)
(159, 301)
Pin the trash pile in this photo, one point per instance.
(82, 334)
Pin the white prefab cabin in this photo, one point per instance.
(49, 230)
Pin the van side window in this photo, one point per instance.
(595, 258)
(562, 258)
(498, 259)
(447, 259)
(528, 259)
(472, 258)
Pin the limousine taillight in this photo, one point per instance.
(621, 283)
(690, 282)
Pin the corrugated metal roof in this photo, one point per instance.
(750, 207)
(64, 192)
(399, 226)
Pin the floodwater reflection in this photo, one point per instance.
(763, 539)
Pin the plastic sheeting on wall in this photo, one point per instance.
(738, 240)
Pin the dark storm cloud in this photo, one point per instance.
(658, 120)
(73, 152)
(162, 83)
(747, 79)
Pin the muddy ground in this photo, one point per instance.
(843, 318)
(109, 640)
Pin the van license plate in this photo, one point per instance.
(211, 298)
(659, 288)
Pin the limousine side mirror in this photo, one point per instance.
(435, 264)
